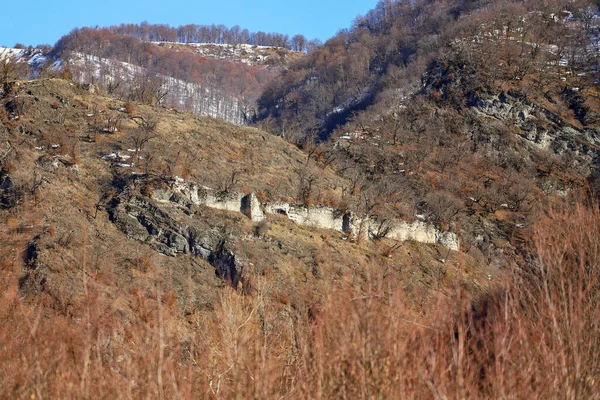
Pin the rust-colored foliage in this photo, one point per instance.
(360, 341)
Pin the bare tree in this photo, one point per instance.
(141, 135)
(306, 184)
(8, 70)
(226, 185)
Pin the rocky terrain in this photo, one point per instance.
(139, 196)
(406, 211)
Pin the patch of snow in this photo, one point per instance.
(207, 99)
(37, 59)
(6, 52)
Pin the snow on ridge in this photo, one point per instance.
(32, 57)
(245, 46)
(205, 100)
(11, 52)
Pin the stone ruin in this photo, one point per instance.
(316, 216)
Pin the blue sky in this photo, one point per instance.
(37, 21)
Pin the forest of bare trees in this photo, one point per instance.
(391, 47)
(129, 68)
(218, 34)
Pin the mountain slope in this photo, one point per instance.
(415, 214)
(175, 75)
(478, 115)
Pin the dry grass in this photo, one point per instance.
(326, 319)
(204, 149)
(534, 336)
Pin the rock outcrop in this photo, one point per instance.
(251, 208)
(163, 232)
(168, 226)
(539, 126)
(314, 216)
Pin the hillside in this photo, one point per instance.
(409, 210)
(75, 187)
(267, 56)
(477, 122)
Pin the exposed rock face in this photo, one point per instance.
(225, 264)
(188, 192)
(417, 231)
(173, 239)
(171, 229)
(227, 201)
(448, 239)
(539, 126)
(141, 220)
(162, 215)
(503, 107)
(251, 208)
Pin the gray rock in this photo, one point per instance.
(166, 228)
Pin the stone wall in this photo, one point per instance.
(314, 216)
(230, 201)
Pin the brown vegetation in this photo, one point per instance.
(531, 335)
(88, 310)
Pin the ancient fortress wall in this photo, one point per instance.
(314, 216)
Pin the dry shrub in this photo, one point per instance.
(3, 115)
(148, 191)
(262, 228)
(66, 73)
(186, 171)
(169, 298)
(261, 196)
(12, 223)
(243, 188)
(145, 264)
(129, 108)
(533, 336)
(8, 167)
(330, 198)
